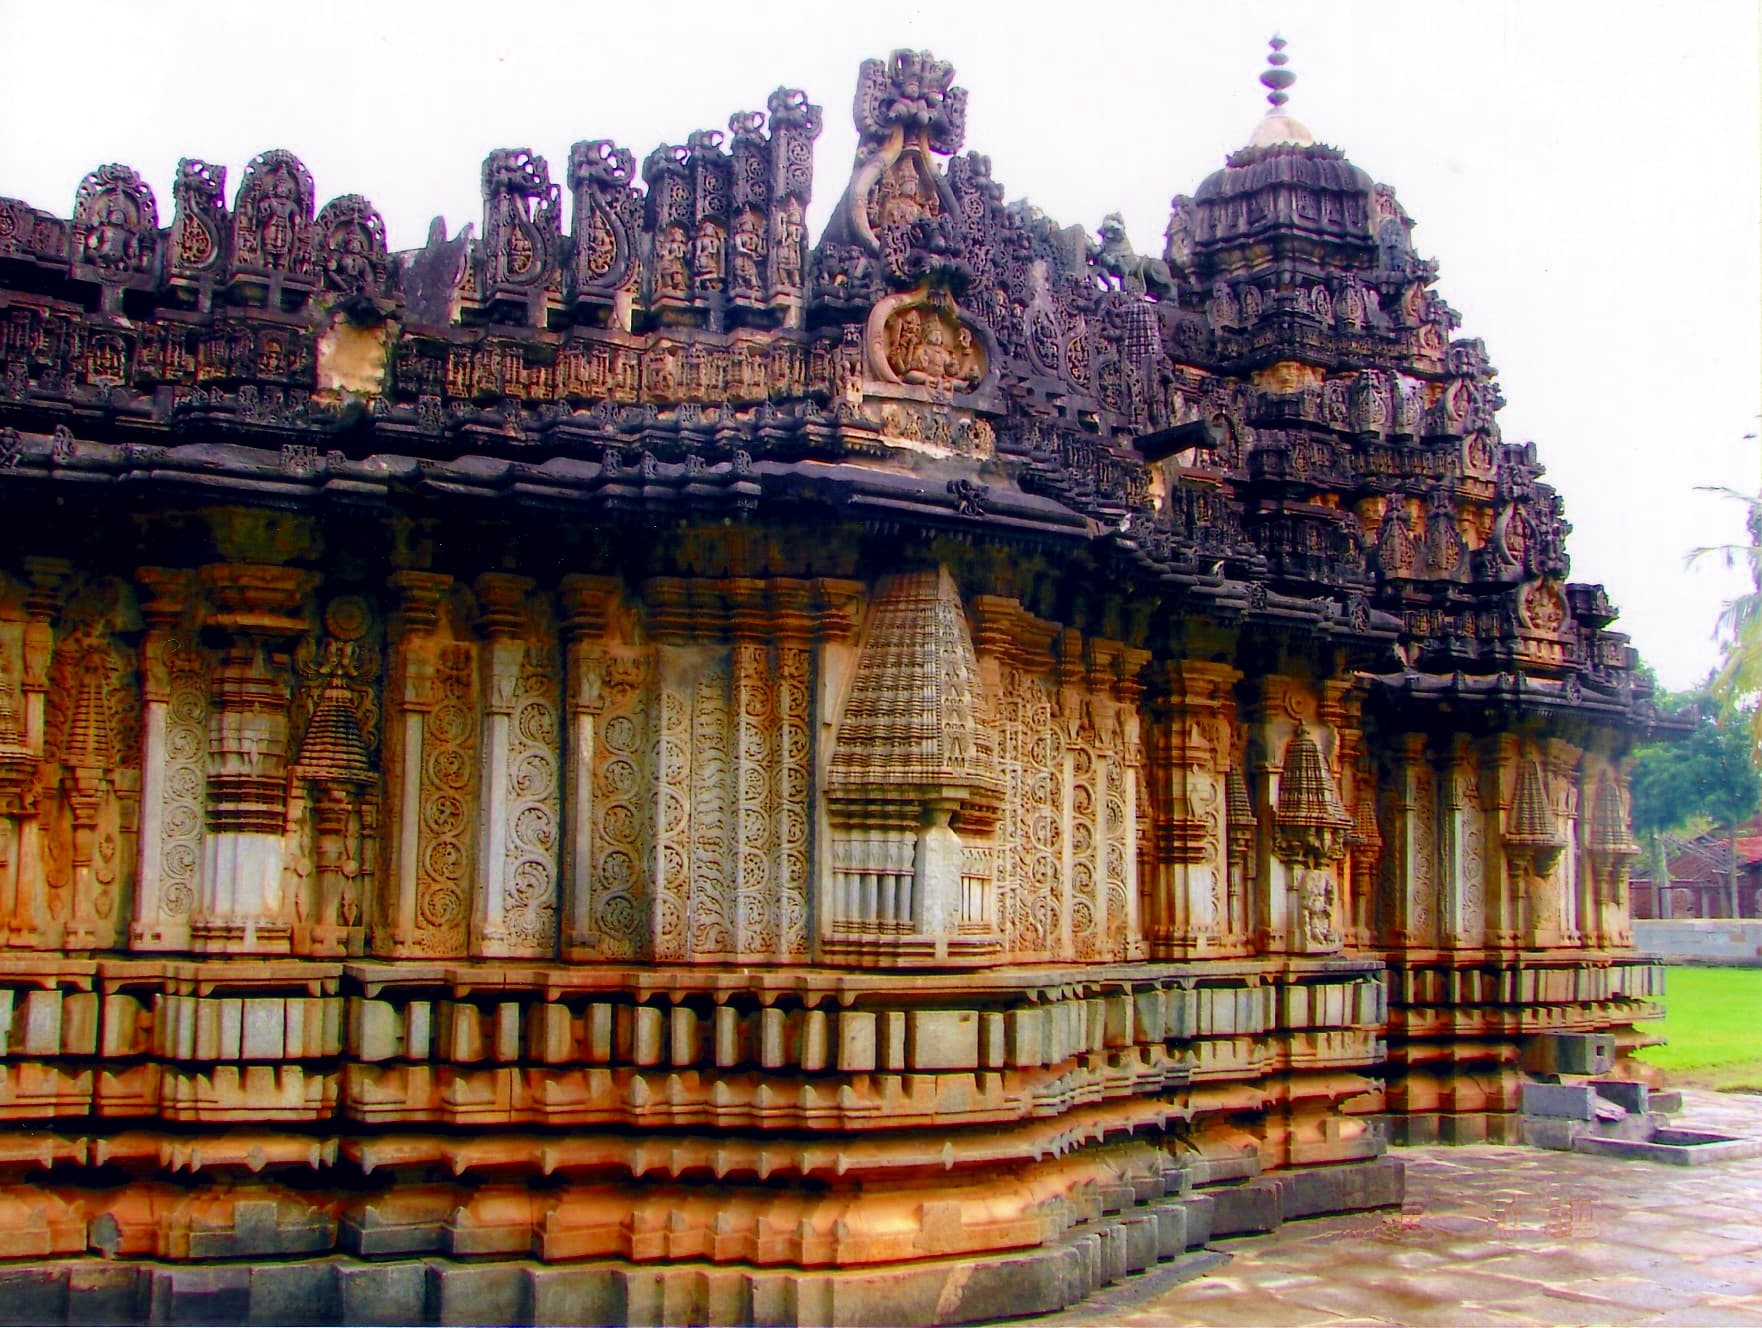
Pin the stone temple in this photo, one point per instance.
(636, 767)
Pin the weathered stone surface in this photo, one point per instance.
(636, 766)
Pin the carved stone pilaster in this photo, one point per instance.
(258, 609)
(174, 745)
(1409, 850)
(515, 905)
(431, 765)
(587, 603)
(1193, 743)
(23, 907)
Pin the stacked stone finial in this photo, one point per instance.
(1276, 77)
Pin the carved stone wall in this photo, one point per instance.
(646, 764)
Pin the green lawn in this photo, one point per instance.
(1714, 1022)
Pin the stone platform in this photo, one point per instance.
(1495, 1235)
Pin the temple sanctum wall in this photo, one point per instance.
(637, 768)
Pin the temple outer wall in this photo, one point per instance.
(1713, 941)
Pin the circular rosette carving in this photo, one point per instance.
(921, 340)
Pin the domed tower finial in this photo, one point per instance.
(1279, 126)
(1277, 77)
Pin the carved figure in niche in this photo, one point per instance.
(1544, 609)
(115, 222)
(272, 220)
(706, 267)
(671, 246)
(903, 195)
(925, 345)
(351, 245)
(791, 234)
(1318, 908)
(1119, 268)
(749, 252)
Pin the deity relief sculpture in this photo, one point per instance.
(272, 219)
(351, 246)
(920, 341)
(115, 225)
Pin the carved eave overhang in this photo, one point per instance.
(1498, 701)
(622, 482)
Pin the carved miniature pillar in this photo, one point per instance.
(1462, 901)
(1534, 845)
(259, 608)
(587, 602)
(751, 756)
(1191, 899)
(514, 910)
(1128, 692)
(1408, 864)
(1496, 760)
(28, 916)
(1610, 851)
(1564, 764)
(786, 778)
(1263, 765)
(174, 741)
(422, 912)
(1364, 840)
(333, 792)
(912, 752)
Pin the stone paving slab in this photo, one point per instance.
(1499, 1235)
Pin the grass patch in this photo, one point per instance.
(1713, 1021)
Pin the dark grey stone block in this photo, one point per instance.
(1565, 1101)
(1668, 1101)
(200, 1295)
(1171, 1230)
(1312, 1192)
(1040, 1283)
(383, 1293)
(293, 1293)
(1201, 1210)
(1551, 1132)
(103, 1293)
(1379, 1184)
(579, 1295)
(1141, 1241)
(33, 1295)
(1254, 1206)
(1633, 1097)
(486, 1293)
(1569, 1053)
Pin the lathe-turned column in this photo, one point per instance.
(260, 608)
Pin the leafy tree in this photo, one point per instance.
(1709, 777)
(1737, 684)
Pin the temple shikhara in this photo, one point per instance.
(635, 764)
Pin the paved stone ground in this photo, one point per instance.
(1493, 1235)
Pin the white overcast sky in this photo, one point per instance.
(1587, 174)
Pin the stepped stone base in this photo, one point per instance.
(1169, 1234)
